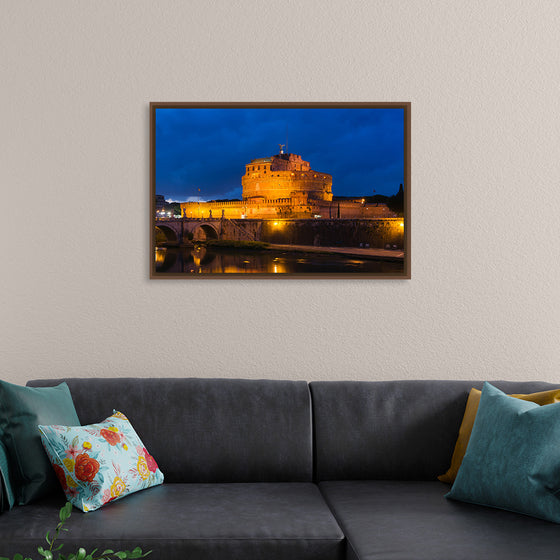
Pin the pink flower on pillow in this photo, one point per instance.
(73, 451)
(152, 465)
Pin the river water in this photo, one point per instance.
(202, 260)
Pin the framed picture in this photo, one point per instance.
(280, 190)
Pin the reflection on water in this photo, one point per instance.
(201, 260)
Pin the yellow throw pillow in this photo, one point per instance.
(541, 398)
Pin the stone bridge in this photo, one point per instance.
(182, 230)
(374, 233)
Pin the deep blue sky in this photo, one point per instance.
(207, 149)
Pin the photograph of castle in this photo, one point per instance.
(272, 190)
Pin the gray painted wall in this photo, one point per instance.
(483, 79)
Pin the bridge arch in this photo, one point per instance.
(203, 232)
(165, 234)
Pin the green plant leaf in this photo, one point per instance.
(46, 554)
(64, 514)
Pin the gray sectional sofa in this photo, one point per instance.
(285, 470)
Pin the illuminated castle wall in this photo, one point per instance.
(284, 176)
(285, 186)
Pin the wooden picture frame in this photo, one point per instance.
(280, 190)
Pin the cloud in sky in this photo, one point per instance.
(207, 149)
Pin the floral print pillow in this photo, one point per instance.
(99, 463)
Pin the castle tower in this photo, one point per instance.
(284, 176)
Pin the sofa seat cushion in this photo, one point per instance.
(412, 520)
(179, 521)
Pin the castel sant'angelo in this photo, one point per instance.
(284, 186)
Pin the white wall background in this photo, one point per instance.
(483, 78)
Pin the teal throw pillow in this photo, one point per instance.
(99, 463)
(513, 457)
(21, 410)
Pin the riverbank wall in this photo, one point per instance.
(381, 233)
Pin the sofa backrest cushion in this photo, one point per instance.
(400, 430)
(208, 430)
